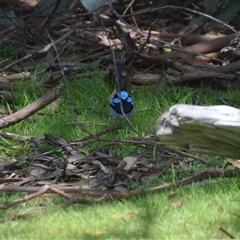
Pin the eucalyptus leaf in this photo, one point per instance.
(8, 19)
(46, 7)
(99, 6)
(229, 13)
(211, 6)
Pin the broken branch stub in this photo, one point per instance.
(213, 130)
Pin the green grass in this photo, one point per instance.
(204, 209)
(86, 100)
(89, 104)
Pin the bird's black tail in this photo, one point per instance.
(119, 75)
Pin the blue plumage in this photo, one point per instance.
(121, 102)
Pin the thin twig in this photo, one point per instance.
(42, 51)
(50, 15)
(226, 232)
(180, 8)
(174, 48)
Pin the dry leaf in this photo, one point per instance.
(235, 163)
(126, 215)
(121, 189)
(84, 183)
(28, 3)
(185, 165)
(96, 232)
(76, 157)
(37, 172)
(43, 200)
(177, 204)
(130, 162)
(71, 166)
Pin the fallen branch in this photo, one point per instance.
(18, 137)
(211, 45)
(9, 86)
(108, 195)
(41, 191)
(62, 143)
(26, 198)
(31, 108)
(151, 79)
(17, 76)
(199, 75)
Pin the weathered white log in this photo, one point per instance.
(211, 130)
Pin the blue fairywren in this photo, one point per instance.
(121, 102)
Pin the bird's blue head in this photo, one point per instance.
(121, 102)
(127, 105)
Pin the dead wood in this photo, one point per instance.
(210, 56)
(34, 195)
(18, 137)
(197, 44)
(229, 68)
(192, 39)
(61, 142)
(31, 108)
(183, 39)
(26, 198)
(42, 52)
(199, 75)
(17, 76)
(51, 81)
(212, 130)
(212, 45)
(108, 195)
(164, 60)
(151, 79)
(8, 86)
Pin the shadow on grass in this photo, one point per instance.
(200, 216)
(204, 209)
